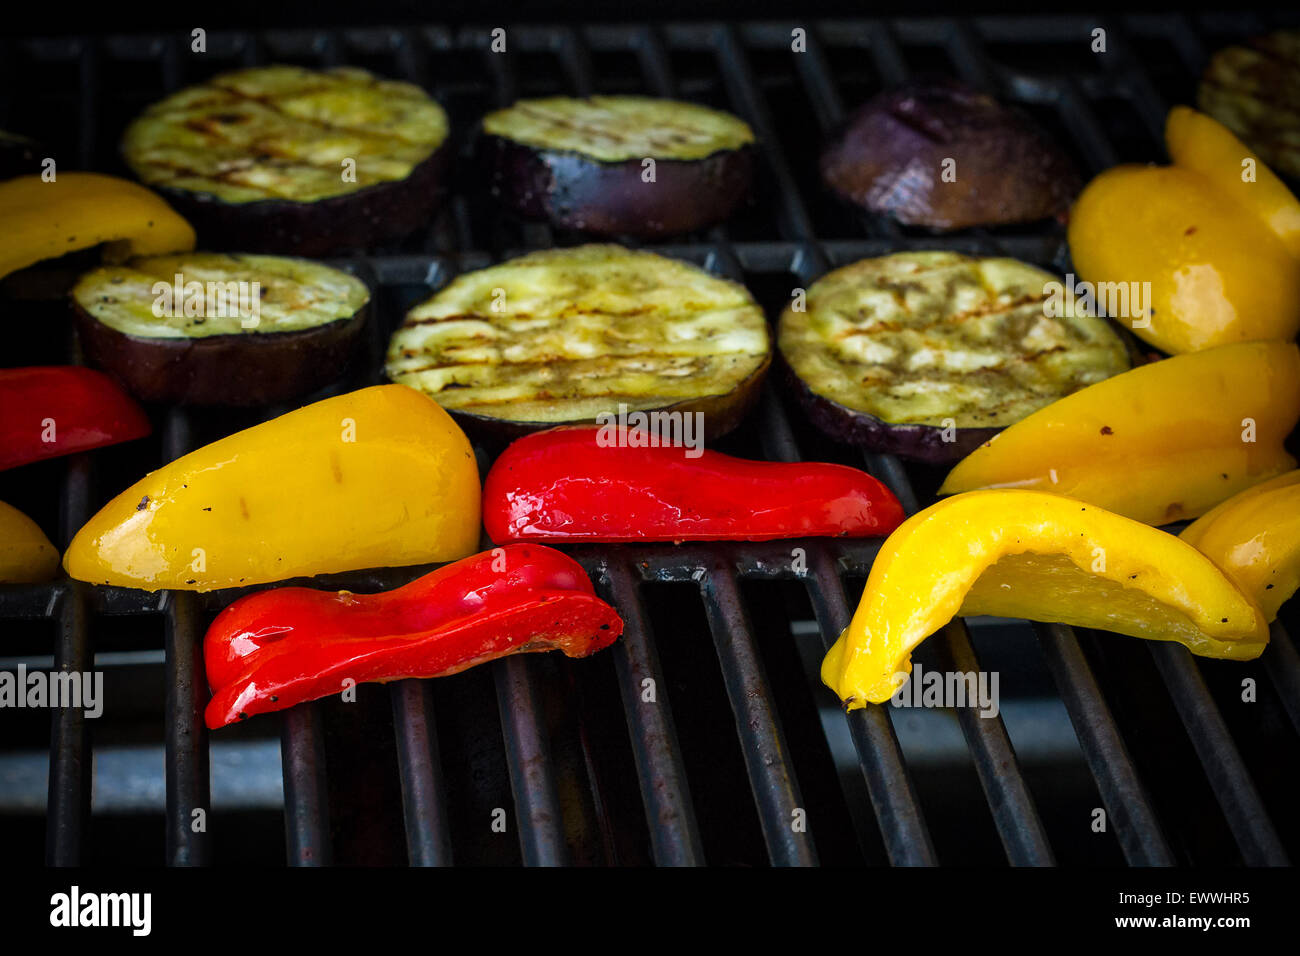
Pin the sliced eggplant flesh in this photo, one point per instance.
(614, 129)
(285, 133)
(212, 329)
(940, 340)
(1254, 90)
(562, 335)
(140, 298)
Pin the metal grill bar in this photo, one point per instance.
(1228, 776)
(1013, 808)
(771, 777)
(306, 808)
(428, 838)
(68, 809)
(186, 734)
(537, 802)
(1127, 804)
(674, 834)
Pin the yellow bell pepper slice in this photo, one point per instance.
(381, 477)
(1157, 443)
(43, 220)
(1200, 143)
(1217, 273)
(1255, 537)
(26, 555)
(1221, 254)
(1038, 556)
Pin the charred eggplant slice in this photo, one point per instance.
(1254, 90)
(585, 163)
(559, 336)
(947, 157)
(211, 329)
(928, 354)
(290, 160)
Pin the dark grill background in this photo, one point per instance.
(742, 734)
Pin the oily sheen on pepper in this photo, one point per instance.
(278, 648)
(606, 484)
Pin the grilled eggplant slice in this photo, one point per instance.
(1254, 90)
(161, 327)
(290, 160)
(891, 160)
(928, 354)
(581, 163)
(559, 336)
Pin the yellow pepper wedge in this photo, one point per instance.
(1038, 556)
(380, 477)
(43, 220)
(1157, 443)
(1221, 256)
(1255, 537)
(26, 555)
(1200, 143)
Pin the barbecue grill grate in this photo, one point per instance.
(1106, 107)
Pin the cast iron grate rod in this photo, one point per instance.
(665, 789)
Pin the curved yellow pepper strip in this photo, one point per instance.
(1158, 443)
(1255, 537)
(26, 555)
(380, 477)
(43, 220)
(1038, 556)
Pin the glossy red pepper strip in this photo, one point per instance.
(277, 648)
(578, 484)
(52, 410)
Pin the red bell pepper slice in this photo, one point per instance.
(277, 648)
(52, 410)
(578, 484)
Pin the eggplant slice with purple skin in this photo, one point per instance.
(560, 336)
(928, 354)
(206, 328)
(288, 160)
(584, 163)
(945, 157)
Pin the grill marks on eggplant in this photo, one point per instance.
(1254, 90)
(193, 347)
(282, 133)
(562, 335)
(619, 128)
(294, 294)
(918, 338)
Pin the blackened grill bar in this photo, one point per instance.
(717, 571)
